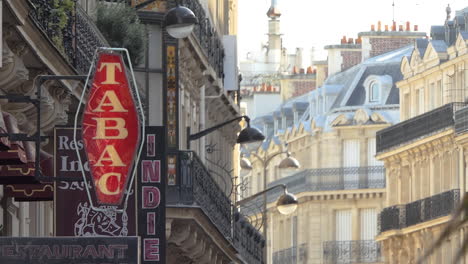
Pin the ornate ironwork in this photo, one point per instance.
(76, 37)
(247, 240)
(418, 126)
(433, 207)
(198, 188)
(285, 256)
(401, 216)
(358, 251)
(327, 179)
(207, 37)
(461, 120)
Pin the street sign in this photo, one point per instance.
(111, 128)
(76, 250)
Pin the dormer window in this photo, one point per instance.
(374, 92)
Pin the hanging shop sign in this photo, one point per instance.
(111, 127)
(77, 250)
(151, 201)
(73, 213)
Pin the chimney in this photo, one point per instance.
(343, 40)
(372, 27)
(350, 41)
(386, 27)
(394, 26)
(415, 27)
(359, 40)
(400, 28)
(379, 26)
(302, 71)
(408, 28)
(310, 70)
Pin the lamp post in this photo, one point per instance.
(288, 162)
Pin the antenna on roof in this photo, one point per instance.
(393, 10)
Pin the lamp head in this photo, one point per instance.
(289, 163)
(245, 164)
(287, 203)
(179, 21)
(250, 134)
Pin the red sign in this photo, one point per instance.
(111, 129)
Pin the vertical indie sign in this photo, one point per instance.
(151, 198)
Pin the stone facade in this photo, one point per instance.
(426, 168)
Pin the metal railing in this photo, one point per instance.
(461, 120)
(285, 256)
(358, 251)
(75, 35)
(401, 216)
(208, 37)
(327, 179)
(247, 240)
(417, 127)
(197, 187)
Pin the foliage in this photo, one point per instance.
(59, 18)
(120, 25)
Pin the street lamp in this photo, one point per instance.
(247, 135)
(178, 21)
(287, 203)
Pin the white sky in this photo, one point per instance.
(307, 23)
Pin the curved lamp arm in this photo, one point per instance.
(265, 161)
(211, 129)
(248, 199)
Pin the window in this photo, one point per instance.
(368, 223)
(374, 91)
(294, 232)
(421, 100)
(343, 225)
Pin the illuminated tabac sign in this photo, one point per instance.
(111, 127)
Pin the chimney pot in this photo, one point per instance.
(343, 40)
(400, 27)
(350, 41)
(408, 28)
(379, 26)
(386, 27)
(372, 27)
(302, 71)
(415, 27)
(359, 40)
(394, 26)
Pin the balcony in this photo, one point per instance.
(330, 179)
(76, 37)
(358, 251)
(198, 189)
(207, 37)
(291, 255)
(420, 211)
(417, 127)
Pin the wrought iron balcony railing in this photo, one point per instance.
(358, 251)
(208, 38)
(461, 120)
(197, 188)
(417, 127)
(73, 34)
(326, 179)
(247, 240)
(285, 256)
(401, 216)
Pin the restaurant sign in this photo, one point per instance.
(112, 127)
(76, 250)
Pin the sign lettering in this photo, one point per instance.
(111, 129)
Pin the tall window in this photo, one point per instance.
(294, 231)
(343, 225)
(421, 101)
(368, 223)
(351, 158)
(374, 90)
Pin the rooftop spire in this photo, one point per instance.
(273, 11)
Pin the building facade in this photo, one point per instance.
(182, 85)
(425, 154)
(331, 131)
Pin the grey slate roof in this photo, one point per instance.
(437, 32)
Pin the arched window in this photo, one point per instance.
(374, 92)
